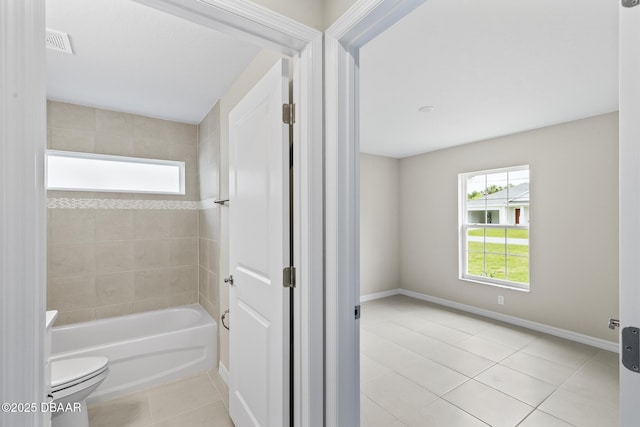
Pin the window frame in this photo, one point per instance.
(464, 226)
(121, 159)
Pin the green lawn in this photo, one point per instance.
(499, 232)
(511, 264)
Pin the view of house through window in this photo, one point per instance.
(495, 226)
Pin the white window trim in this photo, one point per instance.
(121, 159)
(463, 227)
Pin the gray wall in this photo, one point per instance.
(379, 224)
(574, 224)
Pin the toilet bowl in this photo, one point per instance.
(72, 381)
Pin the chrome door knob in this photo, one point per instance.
(229, 280)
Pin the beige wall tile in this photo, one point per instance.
(203, 282)
(72, 259)
(116, 145)
(70, 116)
(71, 140)
(116, 310)
(72, 293)
(183, 298)
(115, 288)
(212, 283)
(113, 122)
(210, 308)
(183, 223)
(151, 253)
(183, 251)
(192, 186)
(186, 153)
(76, 316)
(151, 224)
(213, 255)
(127, 253)
(203, 253)
(209, 223)
(71, 194)
(113, 257)
(208, 183)
(150, 304)
(114, 224)
(151, 283)
(183, 279)
(152, 148)
(72, 225)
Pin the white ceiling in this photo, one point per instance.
(490, 68)
(132, 58)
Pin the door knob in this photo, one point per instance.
(229, 280)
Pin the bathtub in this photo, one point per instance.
(144, 349)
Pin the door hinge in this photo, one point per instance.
(289, 113)
(631, 348)
(630, 3)
(289, 277)
(357, 311)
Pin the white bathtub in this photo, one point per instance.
(144, 349)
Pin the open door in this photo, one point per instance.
(259, 249)
(629, 202)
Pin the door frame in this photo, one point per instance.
(365, 20)
(629, 164)
(362, 22)
(24, 301)
(22, 208)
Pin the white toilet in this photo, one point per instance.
(72, 381)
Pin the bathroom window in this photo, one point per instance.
(74, 171)
(494, 227)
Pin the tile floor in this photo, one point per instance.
(426, 365)
(198, 401)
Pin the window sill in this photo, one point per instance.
(503, 285)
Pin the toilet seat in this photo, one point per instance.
(69, 372)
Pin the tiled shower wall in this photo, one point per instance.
(111, 254)
(208, 152)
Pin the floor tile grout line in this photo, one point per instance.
(575, 370)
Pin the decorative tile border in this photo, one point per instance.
(73, 203)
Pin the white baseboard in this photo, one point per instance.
(540, 327)
(223, 372)
(371, 297)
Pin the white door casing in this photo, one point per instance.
(362, 22)
(22, 210)
(259, 250)
(629, 28)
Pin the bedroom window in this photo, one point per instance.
(494, 227)
(74, 171)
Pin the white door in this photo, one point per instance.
(258, 251)
(629, 200)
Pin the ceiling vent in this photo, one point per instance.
(57, 40)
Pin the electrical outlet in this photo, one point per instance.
(500, 299)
